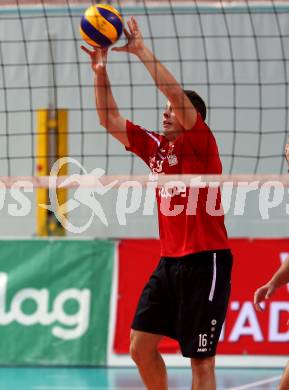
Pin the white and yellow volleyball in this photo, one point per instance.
(101, 25)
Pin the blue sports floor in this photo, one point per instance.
(127, 379)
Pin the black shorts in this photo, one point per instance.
(186, 298)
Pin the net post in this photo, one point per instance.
(42, 170)
(52, 144)
(62, 152)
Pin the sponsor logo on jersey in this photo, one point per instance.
(172, 160)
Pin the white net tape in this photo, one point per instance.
(124, 181)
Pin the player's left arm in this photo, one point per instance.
(164, 80)
(281, 276)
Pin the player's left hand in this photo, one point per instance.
(135, 42)
(263, 293)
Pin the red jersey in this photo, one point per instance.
(185, 221)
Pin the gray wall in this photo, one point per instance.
(235, 57)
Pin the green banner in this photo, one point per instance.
(54, 301)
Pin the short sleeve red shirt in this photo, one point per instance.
(188, 222)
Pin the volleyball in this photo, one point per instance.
(101, 25)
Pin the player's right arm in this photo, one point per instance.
(106, 107)
(279, 279)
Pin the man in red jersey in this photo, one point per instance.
(187, 295)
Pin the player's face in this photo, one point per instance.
(172, 127)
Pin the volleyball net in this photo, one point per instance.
(234, 54)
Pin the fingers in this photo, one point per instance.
(133, 26)
(98, 54)
(134, 23)
(268, 294)
(86, 50)
(270, 291)
(259, 297)
(258, 307)
(130, 25)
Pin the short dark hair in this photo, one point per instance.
(197, 102)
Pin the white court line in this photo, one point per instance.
(52, 387)
(252, 385)
(85, 388)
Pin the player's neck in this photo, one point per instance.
(171, 137)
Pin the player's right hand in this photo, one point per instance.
(263, 293)
(98, 57)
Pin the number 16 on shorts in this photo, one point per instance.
(203, 340)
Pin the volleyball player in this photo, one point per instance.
(187, 295)
(279, 279)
